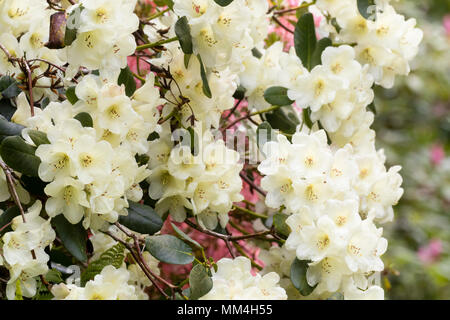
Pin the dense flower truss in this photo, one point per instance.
(386, 42)
(234, 281)
(187, 82)
(224, 36)
(206, 184)
(335, 196)
(23, 250)
(121, 149)
(103, 35)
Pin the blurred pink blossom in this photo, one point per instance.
(437, 154)
(430, 252)
(144, 68)
(293, 3)
(446, 24)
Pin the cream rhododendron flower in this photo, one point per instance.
(143, 143)
(233, 281)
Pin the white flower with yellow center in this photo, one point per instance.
(92, 159)
(315, 89)
(234, 281)
(67, 196)
(56, 160)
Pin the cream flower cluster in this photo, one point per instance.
(234, 281)
(18, 16)
(336, 90)
(279, 260)
(224, 36)
(334, 196)
(187, 82)
(23, 251)
(124, 283)
(386, 44)
(110, 284)
(92, 170)
(104, 35)
(25, 28)
(308, 169)
(137, 278)
(259, 73)
(206, 184)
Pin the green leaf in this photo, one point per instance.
(42, 292)
(239, 93)
(298, 277)
(306, 114)
(187, 58)
(19, 155)
(53, 276)
(283, 119)
(70, 36)
(305, 39)
(264, 134)
(200, 282)
(336, 25)
(153, 136)
(44, 103)
(206, 88)
(194, 143)
(71, 95)
(85, 119)
(366, 8)
(38, 137)
(113, 256)
(73, 237)
(279, 222)
(256, 53)
(71, 26)
(34, 185)
(60, 255)
(7, 216)
(8, 129)
(277, 96)
(7, 110)
(142, 219)
(185, 237)
(9, 87)
(223, 3)
(169, 249)
(321, 46)
(163, 3)
(5, 82)
(372, 108)
(183, 32)
(127, 79)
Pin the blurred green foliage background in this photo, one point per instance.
(413, 126)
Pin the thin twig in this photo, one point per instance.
(252, 184)
(304, 5)
(252, 115)
(30, 84)
(139, 262)
(282, 25)
(12, 188)
(156, 44)
(8, 55)
(233, 110)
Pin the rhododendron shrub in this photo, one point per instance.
(196, 149)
